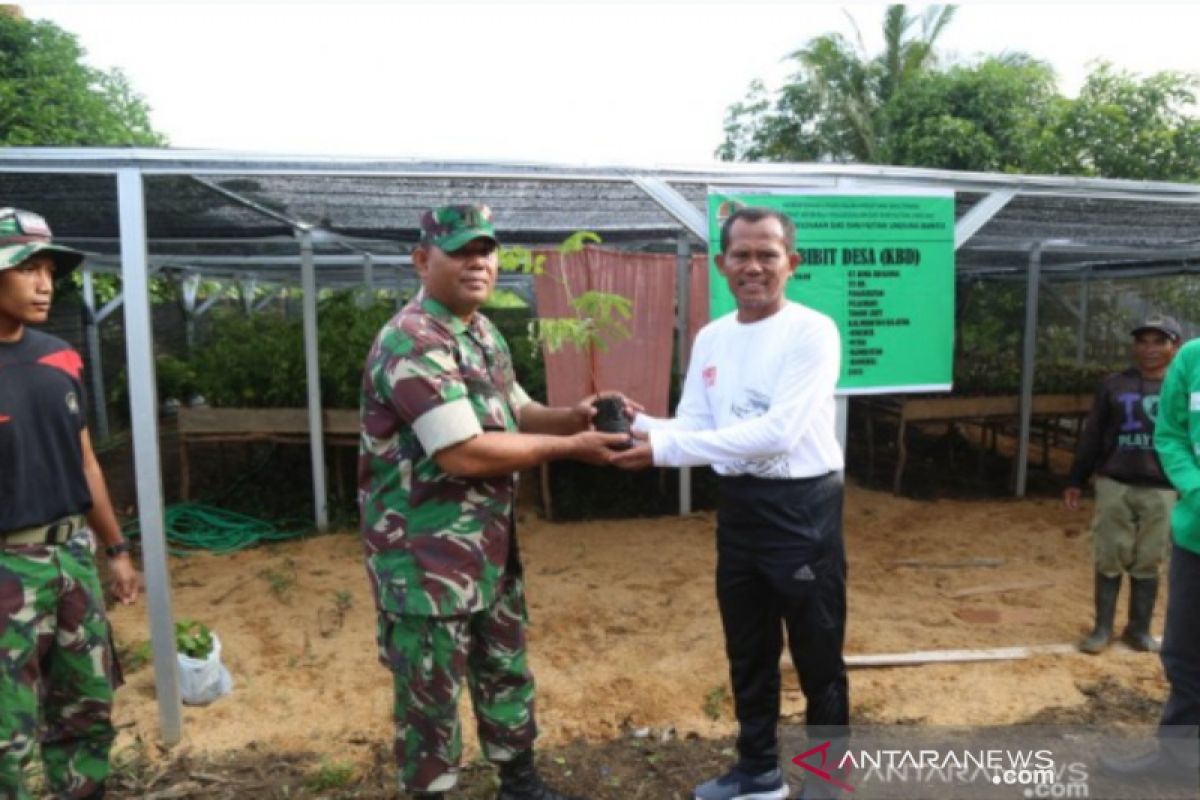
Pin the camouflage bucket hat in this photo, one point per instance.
(24, 234)
(450, 227)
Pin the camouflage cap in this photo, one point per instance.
(450, 227)
(24, 234)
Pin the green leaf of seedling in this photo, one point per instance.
(514, 258)
(577, 241)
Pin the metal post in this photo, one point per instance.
(189, 287)
(1084, 297)
(143, 411)
(842, 418)
(316, 432)
(683, 282)
(247, 284)
(1032, 286)
(92, 332)
(368, 295)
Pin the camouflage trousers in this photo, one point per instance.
(429, 657)
(57, 668)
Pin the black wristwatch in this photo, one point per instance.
(114, 550)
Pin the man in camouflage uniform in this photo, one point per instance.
(57, 665)
(445, 427)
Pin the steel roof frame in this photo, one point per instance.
(131, 166)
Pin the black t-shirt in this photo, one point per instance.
(41, 417)
(1118, 435)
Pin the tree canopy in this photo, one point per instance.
(50, 96)
(1002, 113)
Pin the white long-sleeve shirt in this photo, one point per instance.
(757, 399)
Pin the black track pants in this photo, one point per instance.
(781, 563)
(1181, 640)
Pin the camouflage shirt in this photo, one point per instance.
(435, 544)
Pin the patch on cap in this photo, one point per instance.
(24, 234)
(20, 227)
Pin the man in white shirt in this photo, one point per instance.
(758, 406)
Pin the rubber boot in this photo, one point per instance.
(1142, 594)
(519, 780)
(1106, 593)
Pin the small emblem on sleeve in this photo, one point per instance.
(710, 376)
(72, 403)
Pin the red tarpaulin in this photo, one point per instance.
(639, 366)
(698, 297)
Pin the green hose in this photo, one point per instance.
(195, 526)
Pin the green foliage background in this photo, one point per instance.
(1000, 113)
(258, 360)
(50, 96)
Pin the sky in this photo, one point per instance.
(642, 84)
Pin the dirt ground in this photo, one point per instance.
(626, 648)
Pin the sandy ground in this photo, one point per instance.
(625, 633)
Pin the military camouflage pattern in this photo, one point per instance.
(24, 234)
(451, 227)
(55, 643)
(435, 544)
(428, 657)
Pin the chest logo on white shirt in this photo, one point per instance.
(754, 404)
(710, 376)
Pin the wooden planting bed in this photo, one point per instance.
(285, 425)
(990, 412)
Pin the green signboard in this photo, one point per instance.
(881, 265)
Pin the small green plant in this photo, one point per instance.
(193, 639)
(714, 702)
(330, 619)
(599, 317)
(280, 580)
(133, 656)
(330, 775)
(306, 658)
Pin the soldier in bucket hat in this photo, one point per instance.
(445, 429)
(1131, 527)
(58, 670)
